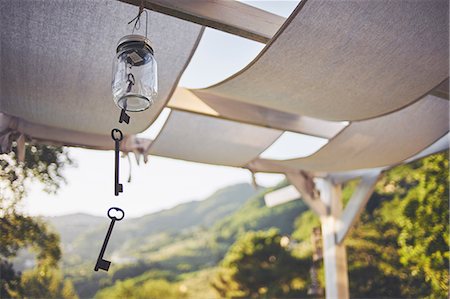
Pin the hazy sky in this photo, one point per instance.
(162, 183)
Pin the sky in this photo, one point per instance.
(161, 183)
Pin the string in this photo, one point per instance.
(129, 172)
(137, 19)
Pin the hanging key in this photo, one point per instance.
(117, 186)
(124, 117)
(101, 262)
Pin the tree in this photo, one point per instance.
(399, 248)
(149, 289)
(423, 221)
(43, 164)
(45, 282)
(260, 265)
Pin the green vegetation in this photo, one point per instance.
(259, 265)
(400, 247)
(43, 164)
(230, 244)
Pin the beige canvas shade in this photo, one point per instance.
(383, 141)
(209, 104)
(343, 176)
(56, 61)
(199, 138)
(347, 60)
(11, 127)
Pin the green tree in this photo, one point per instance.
(135, 289)
(423, 215)
(45, 282)
(260, 265)
(400, 246)
(43, 164)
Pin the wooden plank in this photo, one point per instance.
(281, 196)
(441, 90)
(305, 186)
(228, 16)
(210, 104)
(356, 205)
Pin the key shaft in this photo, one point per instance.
(101, 262)
(118, 188)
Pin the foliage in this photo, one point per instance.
(254, 215)
(424, 229)
(400, 246)
(398, 249)
(45, 282)
(10, 280)
(260, 265)
(157, 242)
(150, 289)
(43, 164)
(20, 231)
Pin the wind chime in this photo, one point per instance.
(134, 89)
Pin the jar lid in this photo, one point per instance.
(133, 39)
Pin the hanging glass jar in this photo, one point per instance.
(135, 82)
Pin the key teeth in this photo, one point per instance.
(118, 189)
(124, 117)
(102, 264)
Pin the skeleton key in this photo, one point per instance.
(117, 186)
(124, 117)
(102, 263)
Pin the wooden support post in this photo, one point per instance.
(324, 197)
(356, 205)
(334, 254)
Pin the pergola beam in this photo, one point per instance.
(228, 16)
(281, 196)
(356, 205)
(305, 185)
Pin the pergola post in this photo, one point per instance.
(324, 197)
(334, 254)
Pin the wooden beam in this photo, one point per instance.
(229, 16)
(281, 196)
(356, 205)
(305, 186)
(441, 90)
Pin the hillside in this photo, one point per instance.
(79, 232)
(187, 238)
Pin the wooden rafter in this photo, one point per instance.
(229, 16)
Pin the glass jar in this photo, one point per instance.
(135, 81)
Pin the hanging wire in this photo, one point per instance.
(137, 19)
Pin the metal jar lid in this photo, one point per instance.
(134, 39)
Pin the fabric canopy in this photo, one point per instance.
(347, 60)
(11, 128)
(205, 139)
(56, 61)
(382, 141)
(369, 76)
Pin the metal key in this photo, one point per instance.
(117, 186)
(124, 117)
(102, 263)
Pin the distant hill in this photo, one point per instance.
(184, 239)
(71, 226)
(82, 234)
